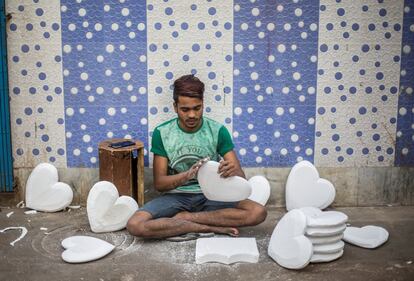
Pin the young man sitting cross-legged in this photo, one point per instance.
(178, 145)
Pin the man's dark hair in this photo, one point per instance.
(188, 86)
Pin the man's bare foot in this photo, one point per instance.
(232, 231)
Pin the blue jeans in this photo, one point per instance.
(170, 204)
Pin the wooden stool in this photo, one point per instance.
(124, 167)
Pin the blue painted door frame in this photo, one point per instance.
(6, 165)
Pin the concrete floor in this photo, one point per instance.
(37, 255)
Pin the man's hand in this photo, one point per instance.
(192, 172)
(227, 169)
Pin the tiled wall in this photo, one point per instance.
(358, 81)
(37, 107)
(328, 81)
(105, 75)
(275, 64)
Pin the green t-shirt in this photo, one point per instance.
(183, 149)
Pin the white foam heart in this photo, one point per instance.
(260, 189)
(304, 188)
(325, 239)
(84, 248)
(106, 210)
(44, 192)
(326, 257)
(216, 188)
(226, 250)
(288, 245)
(369, 236)
(318, 218)
(325, 231)
(330, 248)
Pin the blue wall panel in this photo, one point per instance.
(275, 70)
(404, 152)
(111, 101)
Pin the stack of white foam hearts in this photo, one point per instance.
(307, 234)
(325, 231)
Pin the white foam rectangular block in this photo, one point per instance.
(226, 250)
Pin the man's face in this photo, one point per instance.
(190, 113)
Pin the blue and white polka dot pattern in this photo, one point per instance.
(275, 49)
(35, 82)
(358, 74)
(190, 37)
(404, 155)
(104, 69)
(329, 81)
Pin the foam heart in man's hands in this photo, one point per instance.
(216, 188)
